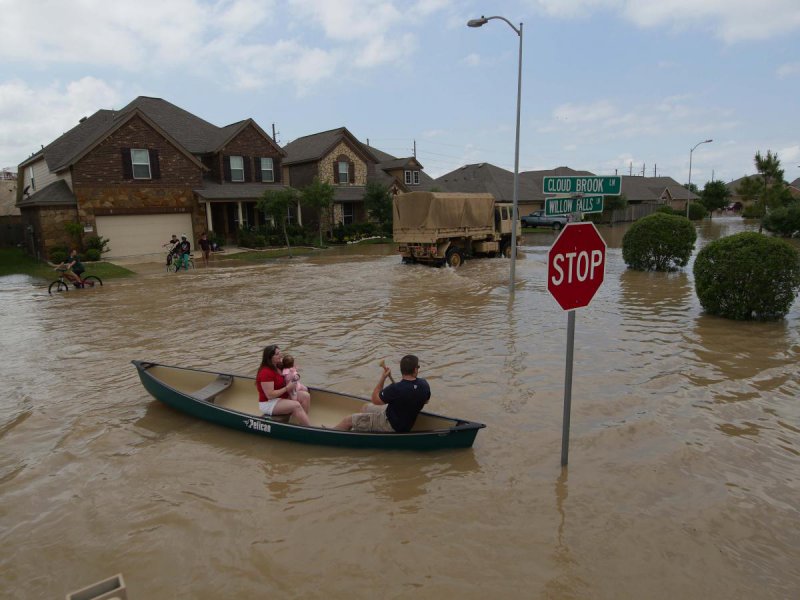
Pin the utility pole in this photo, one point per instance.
(415, 148)
(275, 134)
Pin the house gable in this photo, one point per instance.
(248, 141)
(103, 163)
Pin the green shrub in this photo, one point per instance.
(658, 242)
(58, 254)
(93, 254)
(747, 276)
(754, 211)
(356, 231)
(216, 238)
(784, 221)
(697, 211)
(666, 209)
(98, 243)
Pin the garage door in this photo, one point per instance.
(133, 235)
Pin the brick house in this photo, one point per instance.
(337, 157)
(139, 174)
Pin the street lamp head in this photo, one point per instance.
(708, 141)
(477, 22)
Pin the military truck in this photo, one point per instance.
(439, 228)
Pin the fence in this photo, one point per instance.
(12, 231)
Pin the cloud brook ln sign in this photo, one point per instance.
(604, 186)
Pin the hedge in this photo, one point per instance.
(658, 242)
(747, 276)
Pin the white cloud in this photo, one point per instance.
(35, 117)
(601, 119)
(241, 43)
(348, 20)
(788, 70)
(588, 113)
(472, 60)
(730, 20)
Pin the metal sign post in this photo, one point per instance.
(576, 266)
(568, 388)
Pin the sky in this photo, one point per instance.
(608, 86)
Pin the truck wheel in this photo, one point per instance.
(556, 226)
(407, 260)
(505, 250)
(455, 257)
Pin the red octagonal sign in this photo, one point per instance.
(576, 265)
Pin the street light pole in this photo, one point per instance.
(515, 211)
(689, 185)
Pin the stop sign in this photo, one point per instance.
(576, 265)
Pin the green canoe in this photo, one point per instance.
(232, 400)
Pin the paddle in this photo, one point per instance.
(382, 364)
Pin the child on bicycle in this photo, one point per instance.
(184, 249)
(72, 267)
(172, 246)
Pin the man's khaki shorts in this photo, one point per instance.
(373, 419)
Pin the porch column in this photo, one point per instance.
(209, 226)
(299, 214)
(241, 220)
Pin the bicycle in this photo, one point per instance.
(174, 264)
(62, 283)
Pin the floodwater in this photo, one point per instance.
(683, 482)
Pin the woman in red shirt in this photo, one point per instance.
(273, 391)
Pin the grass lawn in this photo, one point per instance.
(14, 261)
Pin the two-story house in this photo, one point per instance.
(337, 157)
(139, 174)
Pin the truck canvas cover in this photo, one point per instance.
(425, 216)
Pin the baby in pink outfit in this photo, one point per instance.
(290, 374)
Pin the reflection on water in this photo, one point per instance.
(684, 444)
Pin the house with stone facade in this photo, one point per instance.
(139, 174)
(337, 157)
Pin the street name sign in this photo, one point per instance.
(565, 206)
(604, 186)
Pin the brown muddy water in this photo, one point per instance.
(684, 478)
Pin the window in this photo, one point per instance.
(31, 179)
(348, 214)
(267, 170)
(412, 177)
(140, 160)
(290, 215)
(237, 168)
(344, 172)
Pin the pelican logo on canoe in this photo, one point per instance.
(253, 424)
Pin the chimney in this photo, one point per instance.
(82, 119)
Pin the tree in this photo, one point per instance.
(276, 204)
(691, 187)
(749, 189)
(715, 195)
(658, 242)
(378, 201)
(769, 167)
(319, 196)
(747, 276)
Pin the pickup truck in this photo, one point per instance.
(539, 219)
